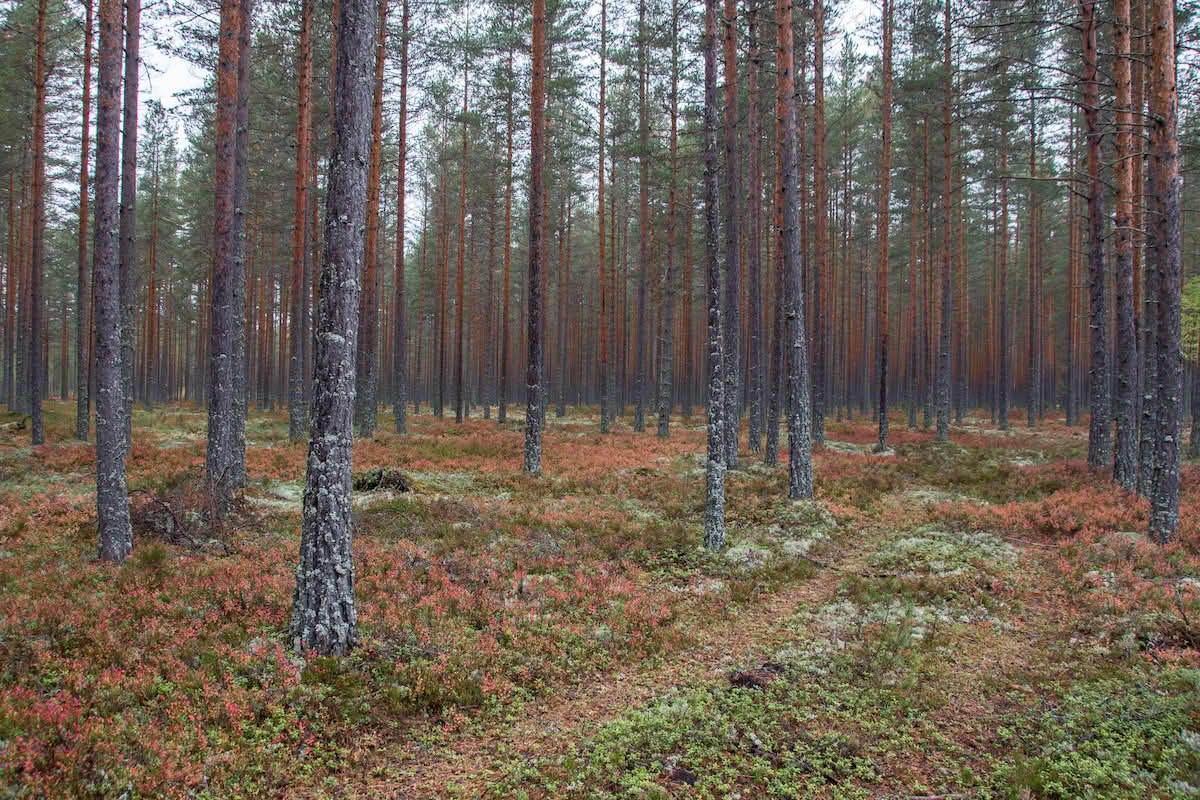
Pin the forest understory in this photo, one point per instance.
(952, 620)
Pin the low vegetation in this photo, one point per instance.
(983, 618)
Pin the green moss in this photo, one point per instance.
(1130, 736)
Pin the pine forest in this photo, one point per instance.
(600, 399)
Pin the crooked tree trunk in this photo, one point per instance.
(323, 611)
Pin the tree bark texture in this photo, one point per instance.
(323, 610)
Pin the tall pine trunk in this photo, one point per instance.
(1125, 465)
(112, 500)
(732, 320)
(537, 120)
(400, 332)
(83, 332)
(714, 497)
(885, 160)
(301, 250)
(1100, 432)
(324, 618)
(1166, 187)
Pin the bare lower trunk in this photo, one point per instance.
(128, 214)
(112, 501)
(537, 115)
(714, 497)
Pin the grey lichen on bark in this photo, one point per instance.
(323, 611)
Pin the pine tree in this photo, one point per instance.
(324, 618)
(112, 500)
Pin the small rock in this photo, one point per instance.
(683, 775)
(381, 478)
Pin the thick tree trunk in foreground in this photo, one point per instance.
(714, 497)
(112, 500)
(537, 119)
(1166, 186)
(323, 612)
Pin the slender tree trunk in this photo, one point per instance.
(112, 500)
(537, 119)
(943, 371)
(732, 321)
(666, 360)
(301, 251)
(460, 402)
(821, 225)
(324, 618)
(1125, 467)
(602, 377)
(1003, 380)
(885, 160)
(83, 332)
(221, 354)
(1033, 301)
(128, 222)
(400, 334)
(799, 404)
(1166, 187)
(714, 497)
(241, 190)
(367, 372)
(754, 359)
(1100, 433)
(38, 251)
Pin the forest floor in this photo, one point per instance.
(976, 619)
